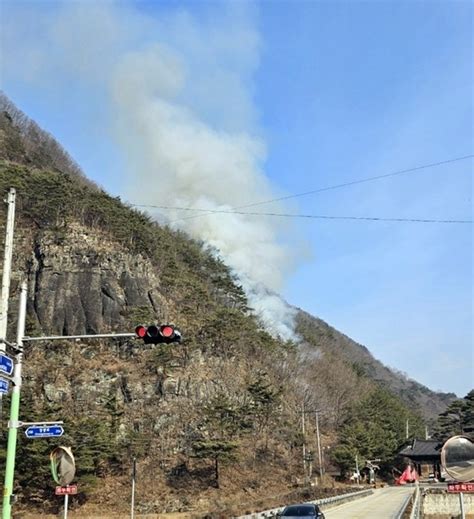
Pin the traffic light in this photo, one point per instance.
(166, 333)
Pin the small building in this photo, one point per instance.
(425, 456)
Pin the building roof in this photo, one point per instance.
(422, 449)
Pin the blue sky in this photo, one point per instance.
(305, 95)
(366, 88)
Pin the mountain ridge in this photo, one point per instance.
(410, 390)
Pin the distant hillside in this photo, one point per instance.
(215, 422)
(414, 394)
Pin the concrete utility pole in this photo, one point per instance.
(134, 475)
(321, 469)
(407, 429)
(357, 470)
(304, 440)
(15, 408)
(7, 266)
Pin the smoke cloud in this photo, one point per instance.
(180, 92)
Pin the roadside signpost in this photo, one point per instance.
(63, 470)
(44, 431)
(67, 490)
(4, 385)
(457, 459)
(6, 364)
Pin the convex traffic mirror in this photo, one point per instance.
(457, 458)
(63, 466)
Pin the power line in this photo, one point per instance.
(331, 217)
(313, 191)
(359, 181)
(368, 218)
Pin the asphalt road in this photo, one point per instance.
(384, 503)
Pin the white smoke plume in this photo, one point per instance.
(180, 88)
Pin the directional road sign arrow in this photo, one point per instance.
(6, 364)
(44, 431)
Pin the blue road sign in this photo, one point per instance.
(44, 431)
(6, 364)
(3, 386)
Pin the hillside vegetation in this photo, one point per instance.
(215, 423)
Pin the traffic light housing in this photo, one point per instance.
(153, 334)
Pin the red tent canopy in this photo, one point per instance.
(409, 475)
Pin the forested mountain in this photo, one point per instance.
(215, 422)
(415, 395)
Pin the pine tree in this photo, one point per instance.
(457, 419)
(469, 412)
(263, 405)
(222, 425)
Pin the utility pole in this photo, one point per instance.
(407, 429)
(7, 266)
(321, 469)
(304, 440)
(357, 470)
(15, 407)
(134, 475)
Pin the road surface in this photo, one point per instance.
(384, 503)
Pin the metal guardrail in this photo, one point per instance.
(403, 509)
(416, 508)
(335, 499)
(412, 498)
(325, 501)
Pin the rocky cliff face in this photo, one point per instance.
(86, 284)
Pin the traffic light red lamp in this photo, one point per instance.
(153, 334)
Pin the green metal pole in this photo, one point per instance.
(14, 410)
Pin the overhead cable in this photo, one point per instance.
(324, 217)
(311, 192)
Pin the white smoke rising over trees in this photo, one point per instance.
(180, 93)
